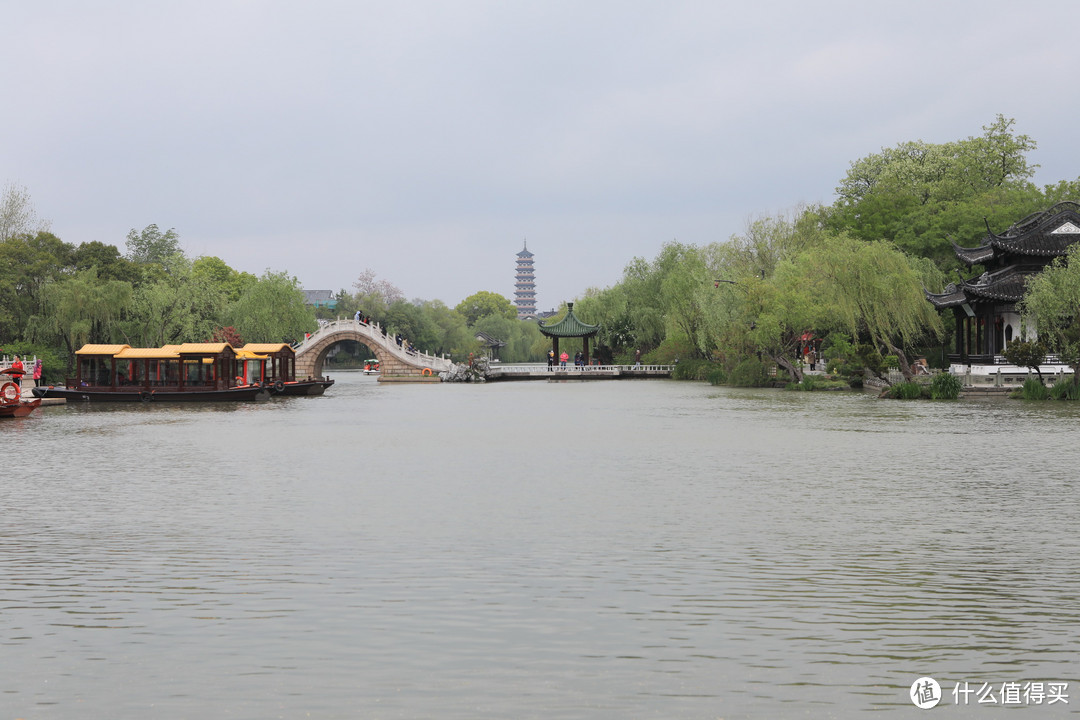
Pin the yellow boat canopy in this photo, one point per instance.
(130, 353)
(212, 348)
(101, 349)
(268, 347)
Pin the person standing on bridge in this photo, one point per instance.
(551, 359)
(563, 358)
(637, 357)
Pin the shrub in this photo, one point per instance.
(945, 386)
(905, 391)
(1034, 390)
(693, 369)
(1063, 389)
(717, 376)
(749, 373)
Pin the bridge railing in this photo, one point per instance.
(607, 369)
(376, 333)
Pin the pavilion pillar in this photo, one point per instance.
(586, 349)
(555, 347)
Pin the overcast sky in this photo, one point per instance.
(427, 140)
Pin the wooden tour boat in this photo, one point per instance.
(191, 372)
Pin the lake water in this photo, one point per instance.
(607, 549)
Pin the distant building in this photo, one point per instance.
(525, 287)
(490, 344)
(320, 298)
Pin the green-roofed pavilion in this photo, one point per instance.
(569, 327)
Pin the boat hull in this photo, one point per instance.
(304, 387)
(19, 409)
(250, 393)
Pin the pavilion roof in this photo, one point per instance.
(569, 326)
(489, 340)
(1005, 285)
(1045, 234)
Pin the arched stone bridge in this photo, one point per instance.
(393, 360)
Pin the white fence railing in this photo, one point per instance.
(541, 367)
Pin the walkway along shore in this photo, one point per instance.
(497, 372)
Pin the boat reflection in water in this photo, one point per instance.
(191, 372)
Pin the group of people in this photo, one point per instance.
(19, 369)
(579, 358)
(404, 344)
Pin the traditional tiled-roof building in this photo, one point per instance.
(320, 298)
(984, 306)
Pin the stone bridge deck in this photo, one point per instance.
(394, 361)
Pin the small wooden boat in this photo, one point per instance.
(11, 402)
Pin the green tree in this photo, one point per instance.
(1029, 354)
(413, 324)
(610, 309)
(684, 291)
(108, 261)
(214, 270)
(871, 289)
(917, 194)
(484, 303)
(79, 309)
(153, 246)
(178, 306)
(28, 263)
(1051, 305)
(272, 309)
(450, 333)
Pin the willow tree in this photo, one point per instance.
(79, 309)
(874, 290)
(272, 310)
(758, 303)
(1052, 305)
(776, 312)
(177, 305)
(684, 294)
